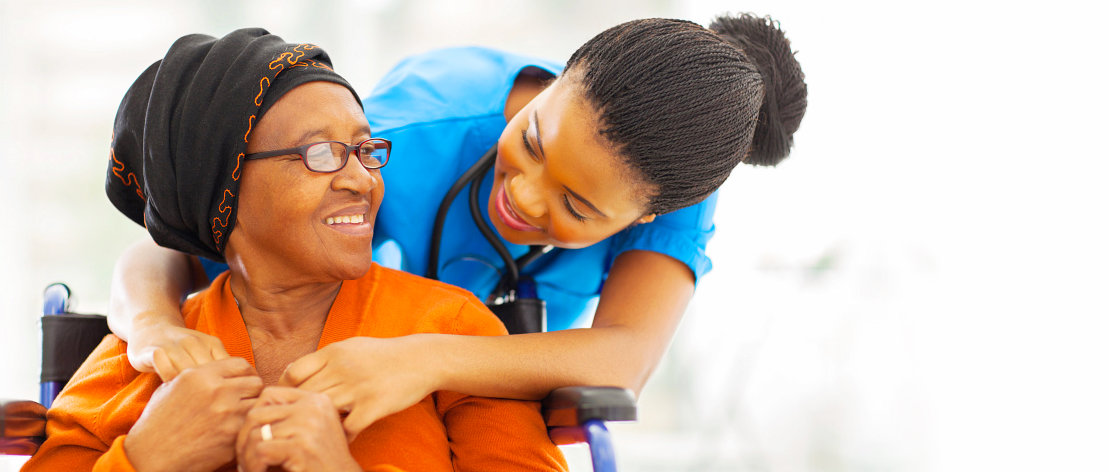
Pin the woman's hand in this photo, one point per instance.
(192, 422)
(169, 350)
(369, 378)
(295, 429)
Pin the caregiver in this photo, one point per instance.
(614, 160)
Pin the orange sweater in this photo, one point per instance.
(445, 431)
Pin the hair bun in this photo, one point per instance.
(785, 93)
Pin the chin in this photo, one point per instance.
(351, 265)
(353, 272)
(531, 241)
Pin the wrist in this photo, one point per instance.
(134, 450)
(443, 364)
(151, 324)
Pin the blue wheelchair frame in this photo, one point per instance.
(55, 301)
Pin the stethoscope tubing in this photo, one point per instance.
(475, 172)
(511, 277)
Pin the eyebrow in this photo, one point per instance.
(576, 195)
(322, 132)
(538, 138)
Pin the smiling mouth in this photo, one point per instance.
(508, 214)
(356, 219)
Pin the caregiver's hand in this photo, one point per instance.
(368, 377)
(169, 350)
(303, 434)
(192, 422)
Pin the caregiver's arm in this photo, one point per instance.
(641, 303)
(148, 285)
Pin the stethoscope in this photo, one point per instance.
(510, 296)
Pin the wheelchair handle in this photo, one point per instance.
(55, 299)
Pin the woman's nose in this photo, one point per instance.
(527, 197)
(356, 178)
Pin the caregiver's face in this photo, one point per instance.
(556, 181)
(319, 224)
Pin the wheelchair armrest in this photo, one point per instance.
(22, 427)
(574, 406)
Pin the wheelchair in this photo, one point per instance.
(573, 414)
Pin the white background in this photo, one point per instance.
(920, 287)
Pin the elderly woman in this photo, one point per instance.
(254, 151)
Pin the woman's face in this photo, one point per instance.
(556, 181)
(317, 226)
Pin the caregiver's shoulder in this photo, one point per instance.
(451, 83)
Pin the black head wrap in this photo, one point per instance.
(182, 128)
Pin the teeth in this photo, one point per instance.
(348, 219)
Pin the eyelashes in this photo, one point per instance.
(527, 144)
(570, 208)
(565, 200)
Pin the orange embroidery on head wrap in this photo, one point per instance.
(278, 65)
(118, 172)
(225, 216)
(299, 49)
(238, 165)
(249, 127)
(262, 84)
(319, 65)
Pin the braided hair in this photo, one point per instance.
(684, 104)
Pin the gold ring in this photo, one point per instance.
(267, 432)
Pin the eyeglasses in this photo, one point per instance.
(330, 156)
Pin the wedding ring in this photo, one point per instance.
(267, 432)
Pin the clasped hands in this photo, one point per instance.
(214, 413)
(212, 408)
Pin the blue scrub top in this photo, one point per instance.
(443, 110)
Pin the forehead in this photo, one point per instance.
(313, 106)
(580, 157)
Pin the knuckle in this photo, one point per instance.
(239, 364)
(226, 429)
(268, 393)
(190, 377)
(249, 388)
(223, 408)
(315, 423)
(294, 372)
(255, 416)
(189, 342)
(175, 356)
(205, 378)
(269, 455)
(320, 402)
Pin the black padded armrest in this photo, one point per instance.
(67, 339)
(573, 406)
